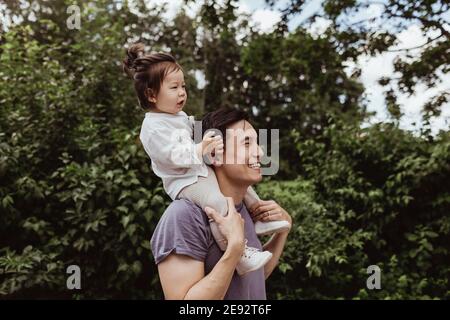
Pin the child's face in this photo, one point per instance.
(172, 96)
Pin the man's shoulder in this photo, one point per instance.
(183, 229)
(182, 204)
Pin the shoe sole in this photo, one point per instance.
(256, 268)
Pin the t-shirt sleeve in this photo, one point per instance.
(182, 229)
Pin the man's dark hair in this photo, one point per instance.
(222, 118)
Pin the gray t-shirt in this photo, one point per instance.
(184, 229)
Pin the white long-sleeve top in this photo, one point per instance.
(168, 141)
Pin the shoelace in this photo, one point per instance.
(250, 251)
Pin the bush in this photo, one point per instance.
(75, 184)
(97, 215)
(376, 196)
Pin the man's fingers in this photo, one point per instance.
(272, 217)
(260, 203)
(254, 206)
(266, 218)
(260, 207)
(264, 208)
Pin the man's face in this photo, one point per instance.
(242, 154)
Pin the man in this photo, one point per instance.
(190, 264)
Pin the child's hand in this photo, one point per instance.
(212, 144)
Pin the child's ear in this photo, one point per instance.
(150, 95)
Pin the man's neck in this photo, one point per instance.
(230, 189)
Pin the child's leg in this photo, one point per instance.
(206, 193)
(251, 197)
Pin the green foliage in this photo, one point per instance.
(298, 82)
(376, 196)
(76, 186)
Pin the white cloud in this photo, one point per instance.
(266, 19)
(263, 19)
(319, 26)
(174, 6)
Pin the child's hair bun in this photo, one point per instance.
(133, 53)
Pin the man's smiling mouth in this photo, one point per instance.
(255, 165)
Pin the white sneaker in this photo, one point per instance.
(263, 228)
(252, 259)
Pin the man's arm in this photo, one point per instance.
(276, 246)
(183, 278)
(276, 243)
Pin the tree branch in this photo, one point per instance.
(417, 47)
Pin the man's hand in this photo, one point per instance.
(268, 211)
(231, 226)
(271, 211)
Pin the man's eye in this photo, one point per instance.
(173, 88)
